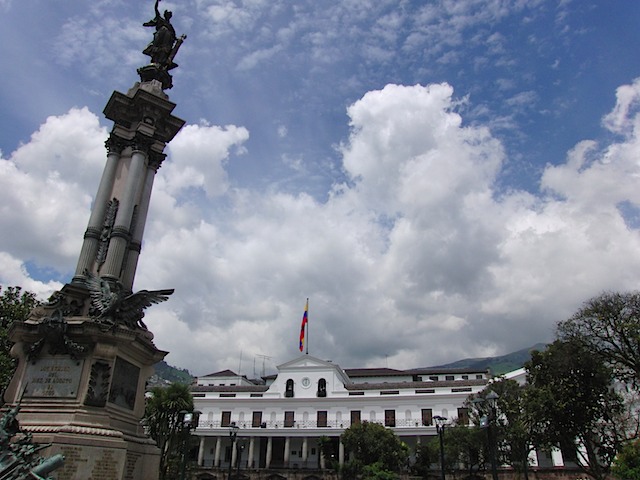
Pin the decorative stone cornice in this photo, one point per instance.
(74, 429)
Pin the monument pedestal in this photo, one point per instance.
(81, 388)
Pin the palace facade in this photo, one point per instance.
(279, 421)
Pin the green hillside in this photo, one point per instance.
(497, 365)
(166, 374)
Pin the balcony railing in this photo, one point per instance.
(301, 424)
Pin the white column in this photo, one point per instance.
(556, 457)
(201, 452)
(305, 449)
(234, 453)
(341, 453)
(287, 447)
(216, 458)
(251, 453)
(269, 451)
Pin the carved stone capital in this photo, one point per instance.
(114, 144)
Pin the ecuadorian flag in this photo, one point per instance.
(305, 319)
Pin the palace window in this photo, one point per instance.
(256, 419)
(226, 419)
(322, 388)
(322, 418)
(463, 416)
(355, 417)
(289, 389)
(427, 416)
(289, 419)
(389, 418)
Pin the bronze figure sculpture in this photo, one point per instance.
(162, 49)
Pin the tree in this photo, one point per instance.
(609, 326)
(515, 437)
(465, 448)
(575, 405)
(426, 454)
(372, 443)
(627, 464)
(15, 306)
(163, 415)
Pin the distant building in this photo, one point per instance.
(281, 418)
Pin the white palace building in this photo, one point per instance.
(278, 422)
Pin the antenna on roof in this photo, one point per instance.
(263, 357)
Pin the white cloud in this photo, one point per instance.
(45, 180)
(416, 251)
(202, 150)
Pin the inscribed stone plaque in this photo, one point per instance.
(53, 377)
(124, 384)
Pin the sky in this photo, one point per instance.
(441, 179)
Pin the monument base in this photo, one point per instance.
(81, 389)
(104, 455)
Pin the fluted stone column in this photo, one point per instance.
(94, 228)
(135, 245)
(121, 234)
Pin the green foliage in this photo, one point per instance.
(426, 454)
(328, 450)
(163, 414)
(572, 396)
(626, 466)
(371, 443)
(513, 423)
(376, 471)
(171, 374)
(609, 327)
(15, 306)
(466, 447)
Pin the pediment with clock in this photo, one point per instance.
(308, 377)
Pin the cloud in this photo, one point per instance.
(416, 258)
(202, 150)
(418, 245)
(46, 179)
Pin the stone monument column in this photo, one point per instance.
(85, 356)
(98, 213)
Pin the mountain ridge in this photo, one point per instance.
(497, 365)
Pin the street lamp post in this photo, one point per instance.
(233, 434)
(441, 422)
(489, 421)
(239, 448)
(188, 422)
